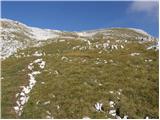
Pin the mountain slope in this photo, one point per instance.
(106, 73)
(16, 35)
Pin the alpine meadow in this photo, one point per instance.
(108, 73)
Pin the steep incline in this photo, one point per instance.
(105, 73)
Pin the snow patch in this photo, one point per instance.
(23, 96)
(139, 31)
(86, 34)
(43, 34)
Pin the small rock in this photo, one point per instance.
(98, 106)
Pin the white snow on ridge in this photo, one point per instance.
(33, 32)
(86, 34)
(139, 31)
(10, 42)
(107, 32)
(43, 34)
(13, 22)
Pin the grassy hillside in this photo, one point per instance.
(75, 78)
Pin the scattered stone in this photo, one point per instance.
(111, 103)
(111, 92)
(148, 60)
(62, 40)
(48, 112)
(105, 61)
(47, 102)
(100, 84)
(58, 107)
(17, 95)
(37, 102)
(86, 117)
(135, 54)
(112, 112)
(42, 64)
(122, 46)
(98, 106)
(100, 52)
(53, 96)
(37, 54)
(49, 117)
(111, 61)
(64, 58)
(56, 72)
(125, 117)
(43, 83)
